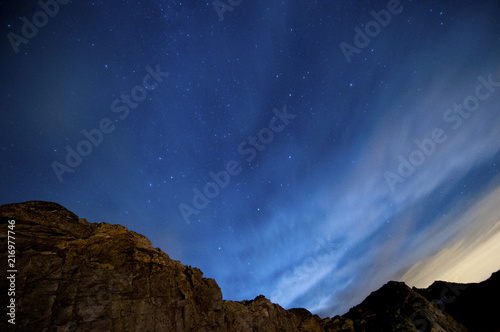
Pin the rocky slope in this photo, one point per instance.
(474, 305)
(395, 307)
(73, 275)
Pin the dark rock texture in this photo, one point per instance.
(474, 305)
(395, 307)
(79, 276)
(73, 275)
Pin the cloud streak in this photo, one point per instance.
(471, 255)
(386, 233)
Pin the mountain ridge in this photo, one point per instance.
(73, 275)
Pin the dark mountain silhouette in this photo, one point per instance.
(474, 305)
(395, 307)
(73, 275)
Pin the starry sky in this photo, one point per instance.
(309, 151)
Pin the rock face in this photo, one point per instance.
(73, 275)
(79, 276)
(395, 307)
(474, 305)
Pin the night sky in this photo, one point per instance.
(309, 151)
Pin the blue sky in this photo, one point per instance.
(387, 166)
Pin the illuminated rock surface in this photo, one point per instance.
(79, 276)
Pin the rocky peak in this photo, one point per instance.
(395, 307)
(468, 303)
(79, 276)
(73, 275)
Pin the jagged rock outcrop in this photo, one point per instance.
(394, 307)
(474, 305)
(73, 275)
(262, 315)
(79, 276)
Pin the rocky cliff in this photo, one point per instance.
(73, 275)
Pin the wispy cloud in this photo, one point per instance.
(384, 234)
(474, 252)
